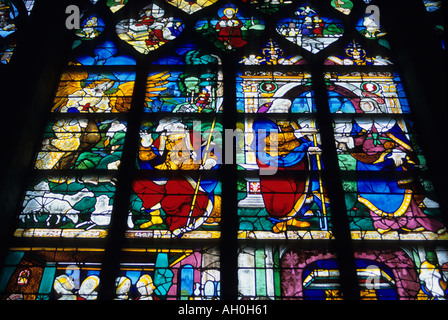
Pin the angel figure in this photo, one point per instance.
(97, 96)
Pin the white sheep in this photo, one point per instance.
(55, 204)
(101, 215)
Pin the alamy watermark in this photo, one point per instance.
(373, 279)
(374, 14)
(73, 19)
(206, 147)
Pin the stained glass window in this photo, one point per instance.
(230, 29)
(13, 15)
(309, 29)
(241, 151)
(152, 29)
(51, 274)
(275, 272)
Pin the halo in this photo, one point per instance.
(229, 8)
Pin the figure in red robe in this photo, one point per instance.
(186, 204)
(287, 198)
(229, 29)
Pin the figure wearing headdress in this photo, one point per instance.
(378, 145)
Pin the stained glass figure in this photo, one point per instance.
(169, 274)
(91, 27)
(279, 143)
(151, 30)
(382, 207)
(272, 54)
(344, 6)
(188, 91)
(67, 207)
(276, 205)
(230, 29)
(266, 92)
(402, 273)
(81, 144)
(381, 144)
(51, 274)
(288, 237)
(283, 208)
(310, 30)
(369, 28)
(356, 55)
(185, 207)
(289, 273)
(173, 207)
(191, 7)
(91, 92)
(180, 144)
(361, 92)
(268, 6)
(8, 13)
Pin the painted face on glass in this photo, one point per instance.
(367, 105)
(229, 13)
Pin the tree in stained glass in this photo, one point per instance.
(81, 144)
(75, 204)
(191, 7)
(310, 30)
(186, 90)
(150, 31)
(230, 29)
